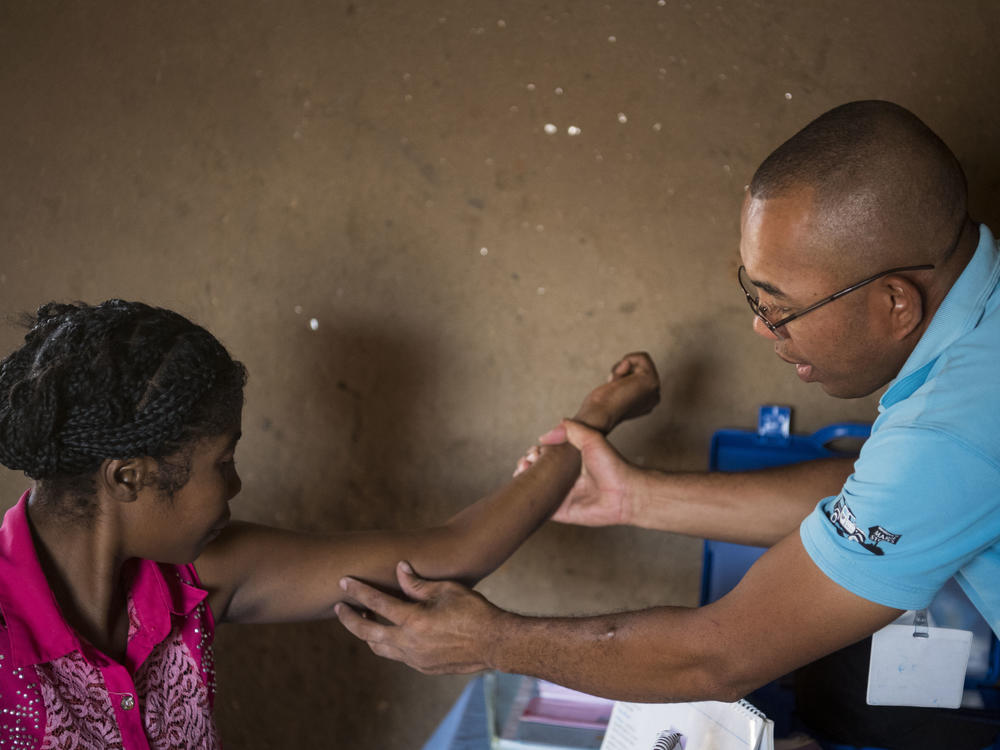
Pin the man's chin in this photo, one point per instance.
(844, 390)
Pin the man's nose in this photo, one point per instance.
(762, 330)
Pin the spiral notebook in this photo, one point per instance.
(705, 725)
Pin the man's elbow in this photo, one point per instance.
(722, 687)
(721, 675)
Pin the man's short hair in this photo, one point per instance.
(878, 156)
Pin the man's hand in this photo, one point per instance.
(447, 629)
(632, 389)
(600, 496)
(603, 495)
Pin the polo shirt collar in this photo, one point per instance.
(962, 309)
(38, 633)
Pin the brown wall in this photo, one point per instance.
(258, 164)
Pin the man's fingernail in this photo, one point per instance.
(406, 567)
(343, 583)
(337, 607)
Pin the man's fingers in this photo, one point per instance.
(577, 434)
(359, 626)
(376, 636)
(412, 585)
(384, 605)
(527, 460)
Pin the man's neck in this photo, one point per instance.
(947, 272)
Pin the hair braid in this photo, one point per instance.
(115, 380)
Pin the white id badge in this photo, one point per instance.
(918, 665)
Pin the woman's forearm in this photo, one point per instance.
(475, 541)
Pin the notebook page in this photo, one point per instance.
(705, 725)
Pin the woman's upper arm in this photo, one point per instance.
(258, 573)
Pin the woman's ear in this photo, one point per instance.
(906, 306)
(122, 478)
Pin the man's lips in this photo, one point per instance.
(802, 369)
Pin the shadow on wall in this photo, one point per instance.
(354, 418)
(685, 392)
(313, 685)
(982, 170)
(353, 411)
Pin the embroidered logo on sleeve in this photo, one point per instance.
(844, 521)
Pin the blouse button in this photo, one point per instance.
(128, 703)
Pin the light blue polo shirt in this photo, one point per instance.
(923, 503)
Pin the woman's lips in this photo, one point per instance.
(219, 527)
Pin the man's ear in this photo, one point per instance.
(905, 304)
(122, 478)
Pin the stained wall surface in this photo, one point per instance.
(385, 169)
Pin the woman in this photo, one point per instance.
(120, 560)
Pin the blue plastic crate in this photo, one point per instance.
(773, 444)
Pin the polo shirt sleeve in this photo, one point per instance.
(919, 506)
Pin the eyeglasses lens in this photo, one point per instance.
(753, 297)
(752, 293)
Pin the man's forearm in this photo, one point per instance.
(665, 654)
(757, 507)
(784, 613)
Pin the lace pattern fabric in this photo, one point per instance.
(77, 709)
(173, 698)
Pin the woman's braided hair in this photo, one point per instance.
(115, 380)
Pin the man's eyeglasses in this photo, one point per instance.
(753, 295)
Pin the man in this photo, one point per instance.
(863, 269)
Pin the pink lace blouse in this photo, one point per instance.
(58, 691)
